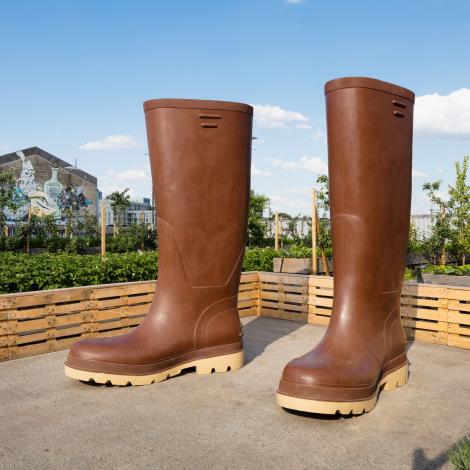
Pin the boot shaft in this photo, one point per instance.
(200, 154)
(370, 126)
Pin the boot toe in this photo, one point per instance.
(87, 353)
(323, 378)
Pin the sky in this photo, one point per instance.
(74, 76)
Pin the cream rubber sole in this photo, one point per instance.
(205, 366)
(391, 381)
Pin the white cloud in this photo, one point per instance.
(440, 171)
(443, 115)
(4, 148)
(304, 126)
(299, 190)
(257, 172)
(294, 2)
(268, 116)
(129, 175)
(288, 204)
(418, 174)
(311, 164)
(112, 142)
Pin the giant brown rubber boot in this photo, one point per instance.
(370, 128)
(200, 154)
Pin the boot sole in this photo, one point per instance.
(225, 363)
(394, 379)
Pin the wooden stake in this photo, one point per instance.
(276, 230)
(324, 259)
(142, 222)
(103, 230)
(314, 232)
(29, 226)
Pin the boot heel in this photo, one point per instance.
(223, 363)
(396, 379)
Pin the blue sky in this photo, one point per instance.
(74, 75)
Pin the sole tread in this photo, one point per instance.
(225, 363)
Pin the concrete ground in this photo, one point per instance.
(229, 420)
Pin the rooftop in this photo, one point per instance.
(230, 420)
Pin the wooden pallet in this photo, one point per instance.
(459, 317)
(248, 295)
(283, 296)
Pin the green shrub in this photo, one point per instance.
(259, 259)
(459, 455)
(449, 270)
(21, 272)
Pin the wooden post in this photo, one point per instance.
(314, 232)
(142, 222)
(324, 259)
(280, 233)
(103, 230)
(276, 228)
(28, 236)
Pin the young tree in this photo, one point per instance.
(120, 201)
(323, 221)
(257, 226)
(459, 211)
(441, 226)
(7, 193)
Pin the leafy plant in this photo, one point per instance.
(120, 201)
(257, 226)
(459, 455)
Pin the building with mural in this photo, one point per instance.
(48, 185)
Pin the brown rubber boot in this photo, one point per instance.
(370, 130)
(200, 154)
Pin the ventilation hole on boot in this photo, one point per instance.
(229, 369)
(209, 125)
(210, 116)
(399, 104)
(398, 114)
(212, 370)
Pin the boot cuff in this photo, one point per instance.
(198, 104)
(372, 83)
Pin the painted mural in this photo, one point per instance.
(52, 199)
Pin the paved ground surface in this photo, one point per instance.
(229, 420)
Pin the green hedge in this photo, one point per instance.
(450, 270)
(22, 273)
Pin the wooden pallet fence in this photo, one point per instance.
(248, 294)
(424, 312)
(458, 317)
(283, 296)
(429, 313)
(320, 299)
(39, 322)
